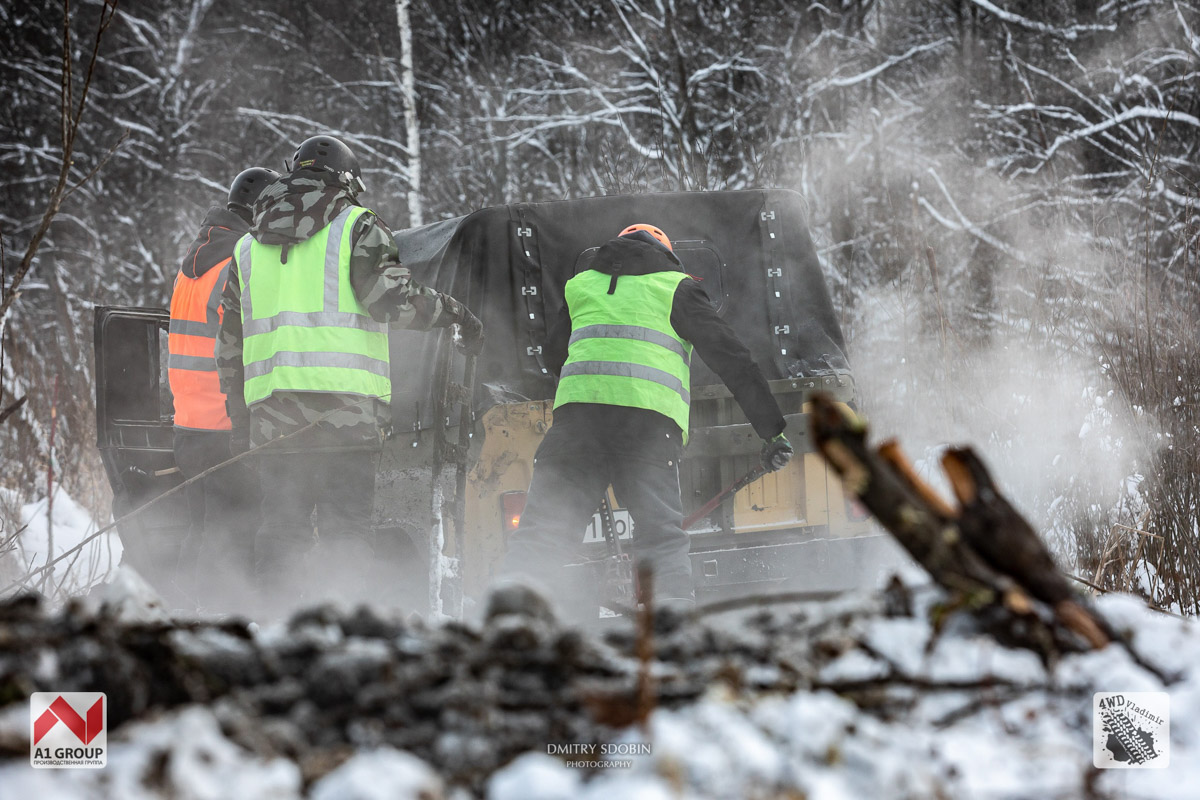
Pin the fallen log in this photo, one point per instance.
(981, 551)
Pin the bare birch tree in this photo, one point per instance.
(411, 122)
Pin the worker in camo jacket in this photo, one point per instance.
(223, 506)
(622, 347)
(303, 358)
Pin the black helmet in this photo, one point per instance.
(246, 188)
(331, 155)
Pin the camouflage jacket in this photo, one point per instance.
(289, 211)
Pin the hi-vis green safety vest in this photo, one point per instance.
(623, 350)
(304, 329)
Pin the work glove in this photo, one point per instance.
(776, 453)
(471, 331)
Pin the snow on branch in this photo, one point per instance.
(1069, 33)
(1137, 112)
(879, 68)
(965, 224)
(1192, 39)
(187, 40)
(371, 144)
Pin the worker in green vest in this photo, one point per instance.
(622, 348)
(302, 355)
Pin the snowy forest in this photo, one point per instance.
(1003, 195)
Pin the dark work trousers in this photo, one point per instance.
(222, 509)
(292, 560)
(588, 447)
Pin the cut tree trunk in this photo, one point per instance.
(982, 552)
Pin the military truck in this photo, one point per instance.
(458, 458)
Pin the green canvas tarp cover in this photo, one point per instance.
(751, 249)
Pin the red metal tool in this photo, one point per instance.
(733, 488)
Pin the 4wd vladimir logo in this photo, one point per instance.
(1131, 730)
(68, 730)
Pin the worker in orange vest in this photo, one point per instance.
(222, 507)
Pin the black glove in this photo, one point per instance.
(471, 330)
(776, 453)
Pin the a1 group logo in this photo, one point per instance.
(68, 729)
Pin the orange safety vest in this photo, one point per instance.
(192, 347)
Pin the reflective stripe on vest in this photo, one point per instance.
(191, 345)
(304, 329)
(623, 349)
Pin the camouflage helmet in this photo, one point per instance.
(332, 155)
(246, 188)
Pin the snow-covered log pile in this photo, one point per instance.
(855, 697)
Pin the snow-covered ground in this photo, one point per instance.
(954, 716)
(68, 524)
